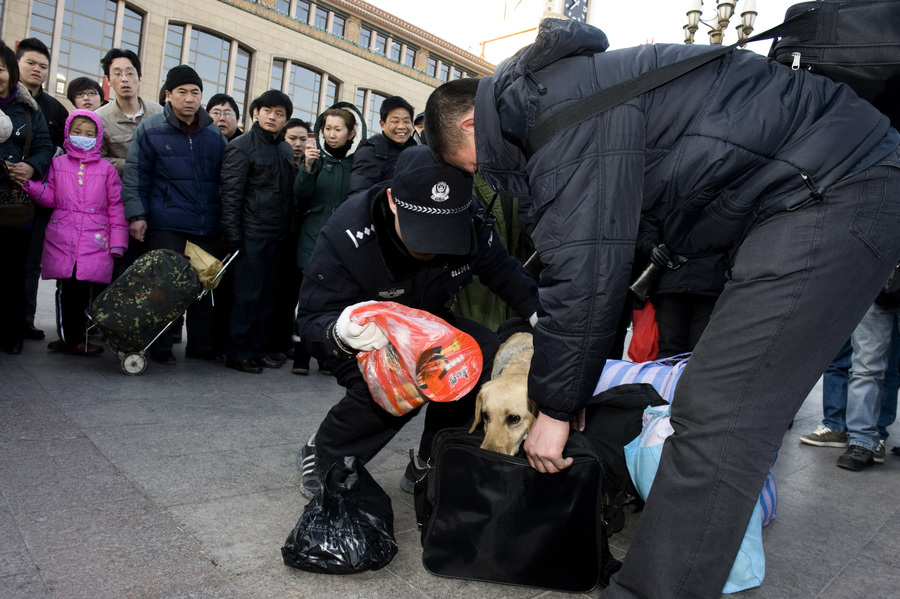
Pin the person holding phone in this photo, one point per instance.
(323, 183)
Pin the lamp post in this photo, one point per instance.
(718, 23)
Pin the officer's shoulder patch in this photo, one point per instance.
(361, 235)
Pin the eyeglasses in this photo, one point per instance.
(216, 113)
(87, 94)
(124, 74)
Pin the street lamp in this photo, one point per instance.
(718, 24)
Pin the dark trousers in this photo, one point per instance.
(14, 251)
(801, 281)
(72, 299)
(33, 260)
(202, 318)
(255, 278)
(279, 334)
(681, 318)
(358, 426)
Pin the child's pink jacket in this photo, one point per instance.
(88, 218)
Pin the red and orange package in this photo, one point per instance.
(426, 359)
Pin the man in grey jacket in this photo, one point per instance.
(791, 175)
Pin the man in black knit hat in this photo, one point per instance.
(375, 158)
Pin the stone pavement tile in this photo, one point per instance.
(48, 475)
(863, 578)
(277, 580)
(884, 546)
(120, 549)
(167, 439)
(36, 417)
(14, 557)
(24, 586)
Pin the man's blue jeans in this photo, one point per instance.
(834, 389)
(801, 282)
(871, 345)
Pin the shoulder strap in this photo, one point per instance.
(801, 25)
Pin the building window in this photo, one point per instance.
(445, 72)
(283, 6)
(321, 20)
(304, 86)
(372, 112)
(209, 55)
(395, 51)
(457, 74)
(380, 43)
(410, 58)
(338, 25)
(302, 13)
(87, 32)
(365, 37)
(431, 71)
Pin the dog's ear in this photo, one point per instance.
(477, 413)
(533, 407)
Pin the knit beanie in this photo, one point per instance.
(181, 75)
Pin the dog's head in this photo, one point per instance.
(505, 409)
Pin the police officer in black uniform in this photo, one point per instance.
(416, 240)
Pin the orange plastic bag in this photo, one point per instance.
(426, 359)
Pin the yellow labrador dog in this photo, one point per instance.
(503, 403)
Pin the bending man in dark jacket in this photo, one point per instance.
(414, 241)
(170, 189)
(257, 176)
(790, 172)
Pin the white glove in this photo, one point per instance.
(361, 337)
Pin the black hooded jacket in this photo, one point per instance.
(709, 155)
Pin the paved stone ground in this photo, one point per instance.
(182, 482)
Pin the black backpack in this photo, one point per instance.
(856, 42)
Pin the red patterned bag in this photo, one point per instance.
(426, 359)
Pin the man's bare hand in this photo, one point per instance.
(545, 443)
(138, 229)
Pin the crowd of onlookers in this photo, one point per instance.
(118, 177)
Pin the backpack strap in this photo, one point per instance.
(802, 25)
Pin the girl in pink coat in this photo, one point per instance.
(87, 228)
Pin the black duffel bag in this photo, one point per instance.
(491, 517)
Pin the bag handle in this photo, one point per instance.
(802, 25)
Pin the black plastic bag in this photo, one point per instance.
(347, 528)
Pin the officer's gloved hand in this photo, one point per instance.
(660, 257)
(361, 337)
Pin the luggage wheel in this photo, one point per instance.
(134, 363)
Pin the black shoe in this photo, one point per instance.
(301, 365)
(278, 356)
(247, 366)
(33, 333)
(13, 348)
(310, 474)
(856, 458)
(267, 362)
(415, 471)
(207, 355)
(166, 358)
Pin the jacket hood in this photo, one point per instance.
(23, 96)
(506, 105)
(93, 153)
(360, 128)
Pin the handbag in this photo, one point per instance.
(16, 207)
(491, 517)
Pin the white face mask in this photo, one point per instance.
(84, 143)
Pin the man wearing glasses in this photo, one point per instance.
(225, 114)
(122, 70)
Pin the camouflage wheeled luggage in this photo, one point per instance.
(138, 307)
